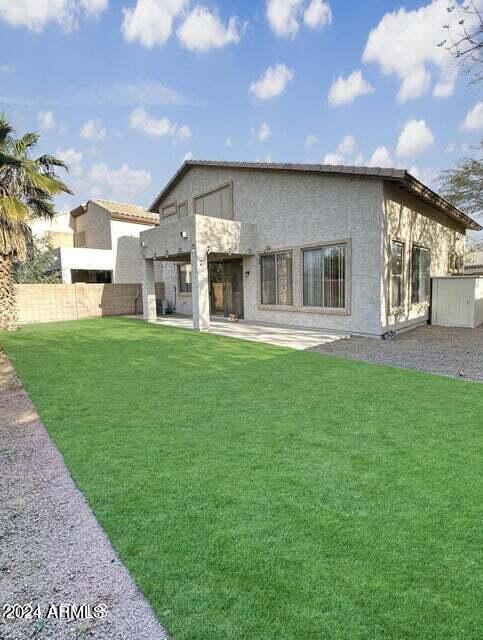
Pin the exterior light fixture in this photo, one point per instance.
(247, 273)
(230, 251)
(167, 253)
(183, 234)
(143, 244)
(268, 248)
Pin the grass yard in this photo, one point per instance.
(259, 493)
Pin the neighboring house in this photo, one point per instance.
(474, 264)
(341, 248)
(57, 231)
(105, 243)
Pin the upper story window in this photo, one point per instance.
(169, 210)
(183, 209)
(217, 203)
(324, 276)
(420, 275)
(397, 274)
(276, 278)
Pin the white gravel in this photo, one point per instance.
(451, 352)
(52, 549)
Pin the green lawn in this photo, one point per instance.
(262, 493)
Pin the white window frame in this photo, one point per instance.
(345, 310)
(401, 276)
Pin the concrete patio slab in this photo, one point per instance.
(279, 335)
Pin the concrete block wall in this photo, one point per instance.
(38, 303)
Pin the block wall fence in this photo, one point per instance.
(57, 302)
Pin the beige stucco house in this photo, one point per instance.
(349, 249)
(105, 243)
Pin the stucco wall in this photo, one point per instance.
(292, 210)
(410, 221)
(97, 227)
(126, 251)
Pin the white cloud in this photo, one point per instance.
(142, 121)
(474, 118)
(264, 132)
(148, 92)
(415, 138)
(228, 142)
(118, 183)
(72, 158)
(450, 147)
(46, 120)
(151, 21)
(284, 15)
(347, 145)
(405, 42)
(345, 90)
(333, 158)
(93, 130)
(7, 68)
(267, 158)
(184, 132)
(203, 30)
(35, 14)
(318, 14)
(188, 156)
(94, 7)
(380, 158)
(310, 140)
(272, 83)
(426, 176)
(415, 84)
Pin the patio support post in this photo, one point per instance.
(200, 288)
(149, 294)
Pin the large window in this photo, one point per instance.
(185, 278)
(276, 278)
(217, 203)
(397, 274)
(324, 276)
(420, 280)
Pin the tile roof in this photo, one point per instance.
(123, 210)
(399, 176)
(474, 259)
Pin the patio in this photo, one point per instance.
(279, 335)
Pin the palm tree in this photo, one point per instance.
(27, 188)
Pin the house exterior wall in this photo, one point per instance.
(410, 221)
(96, 224)
(126, 253)
(295, 210)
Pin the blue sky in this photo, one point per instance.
(125, 90)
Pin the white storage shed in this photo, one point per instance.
(457, 301)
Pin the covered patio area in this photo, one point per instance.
(279, 335)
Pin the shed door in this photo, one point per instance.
(452, 302)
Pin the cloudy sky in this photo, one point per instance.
(125, 90)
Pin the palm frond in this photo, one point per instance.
(13, 208)
(48, 161)
(15, 238)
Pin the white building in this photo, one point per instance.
(105, 243)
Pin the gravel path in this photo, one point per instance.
(450, 352)
(52, 550)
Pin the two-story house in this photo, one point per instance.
(105, 243)
(349, 249)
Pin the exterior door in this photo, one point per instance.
(226, 288)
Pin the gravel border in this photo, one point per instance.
(454, 352)
(52, 549)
